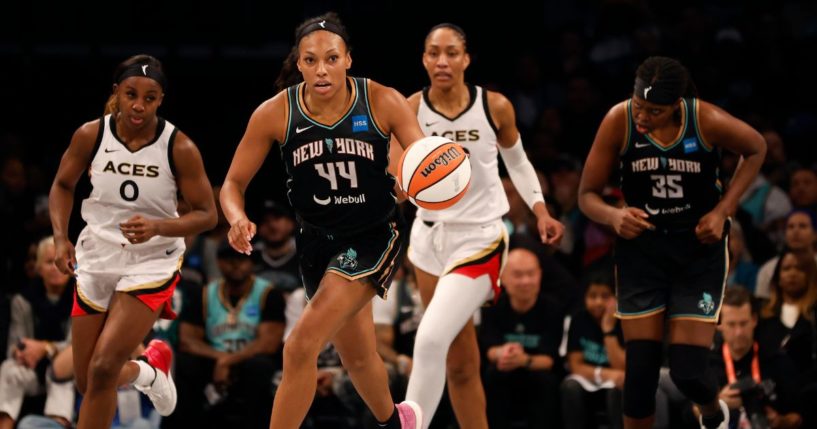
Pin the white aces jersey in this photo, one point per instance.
(128, 183)
(474, 129)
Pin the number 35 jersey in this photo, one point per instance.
(675, 184)
(338, 173)
(128, 183)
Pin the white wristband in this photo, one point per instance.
(522, 174)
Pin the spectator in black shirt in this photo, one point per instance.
(788, 319)
(275, 256)
(740, 363)
(595, 356)
(521, 334)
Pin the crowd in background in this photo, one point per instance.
(755, 60)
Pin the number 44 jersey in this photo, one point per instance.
(338, 173)
(128, 183)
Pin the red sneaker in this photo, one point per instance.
(159, 355)
(162, 392)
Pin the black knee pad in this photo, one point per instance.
(689, 370)
(641, 378)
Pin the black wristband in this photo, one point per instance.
(610, 333)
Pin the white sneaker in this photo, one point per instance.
(725, 410)
(162, 392)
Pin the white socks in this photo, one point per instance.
(146, 375)
(455, 300)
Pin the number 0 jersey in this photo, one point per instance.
(338, 173)
(127, 183)
(677, 184)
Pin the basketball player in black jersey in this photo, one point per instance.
(671, 258)
(334, 133)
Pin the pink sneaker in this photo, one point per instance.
(162, 392)
(411, 416)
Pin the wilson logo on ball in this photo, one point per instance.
(449, 155)
(434, 172)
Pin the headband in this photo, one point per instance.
(321, 25)
(658, 92)
(144, 70)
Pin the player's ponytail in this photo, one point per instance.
(110, 105)
(289, 74)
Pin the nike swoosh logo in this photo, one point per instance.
(322, 202)
(640, 145)
(109, 150)
(168, 252)
(428, 124)
(299, 130)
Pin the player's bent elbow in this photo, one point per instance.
(212, 220)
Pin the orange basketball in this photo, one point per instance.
(434, 172)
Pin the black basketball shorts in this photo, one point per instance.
(371, 255)
(672, 272)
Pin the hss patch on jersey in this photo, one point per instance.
(675, 183)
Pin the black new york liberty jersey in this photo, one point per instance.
(338, 174)
(677, 184)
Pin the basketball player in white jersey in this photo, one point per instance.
(458, 252)
(128, 256)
